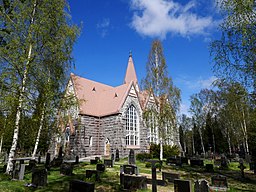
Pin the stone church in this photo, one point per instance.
(107, 118)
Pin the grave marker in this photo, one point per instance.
(182, 185)
(39, 177)
(117, 155)
(131, 157)
(22, 171)
(81, 186)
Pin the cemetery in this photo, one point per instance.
(128, 174)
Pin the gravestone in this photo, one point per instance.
(204, 186)
(39, 159)
(113, 157)
(153, 171)
(66, 169)
(196, 162)
(39, 177)
(197, 186)
(31, 164)
(209, 168)
(77, 159)
(219, 181)
(22, 171)
(47, 161)
(217, 162)
(241, 167)
(224, 162)
(170, 176)
(133, 182)
(93, 161)
(182, 185)
(108, 162)
(100, 167)
(81, 186)
(130, 169)
(60, 153)
(117, 155)
(131, 157)
(97, 159)
(89, 173)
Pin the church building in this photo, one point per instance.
(109, 118)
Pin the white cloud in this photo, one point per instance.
(196, 84)
(156, 18)
(103, 26)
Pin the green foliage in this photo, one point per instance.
(143, 156)
(148, 164)
(168, 150)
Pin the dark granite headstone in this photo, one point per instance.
(219, 181)
(204, 186)
(39, 177)
(197, 186)
(170, 176)
(196, 162)
(39, 159)
(47, 161)
(130, 169)
(60, 153)
(182, 185)
(108, 162)
(77, 159)
(117, 155)
(89, 173)
(209, 168)
(251, 166)
(81, 186)
(113, 157)
(100, 167)
(66, 169)
(31, 164)
(93, 161)
(131, 158)
(133, 182)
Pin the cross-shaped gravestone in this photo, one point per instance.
(153, 169)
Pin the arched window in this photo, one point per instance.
(132, 126)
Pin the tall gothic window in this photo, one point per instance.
(132, 126)
(153, 130)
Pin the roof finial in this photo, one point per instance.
(130, 53)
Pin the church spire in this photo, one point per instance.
(130, 72)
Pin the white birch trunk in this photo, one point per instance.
(161, 150)
(39, 131)
(245, 134)
(1, 143)
(201, 138)
(9, 168)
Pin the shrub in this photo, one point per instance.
(143, 156)
(168, 150)
(147, 164)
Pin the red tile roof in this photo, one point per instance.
(97, 99)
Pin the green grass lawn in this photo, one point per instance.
(110, 178)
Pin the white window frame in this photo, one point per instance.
(153, 130)
(132, 127)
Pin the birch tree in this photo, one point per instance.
(29, 41)
(167, 95)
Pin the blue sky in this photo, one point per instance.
(113, 28)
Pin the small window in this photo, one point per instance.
(90, 141)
